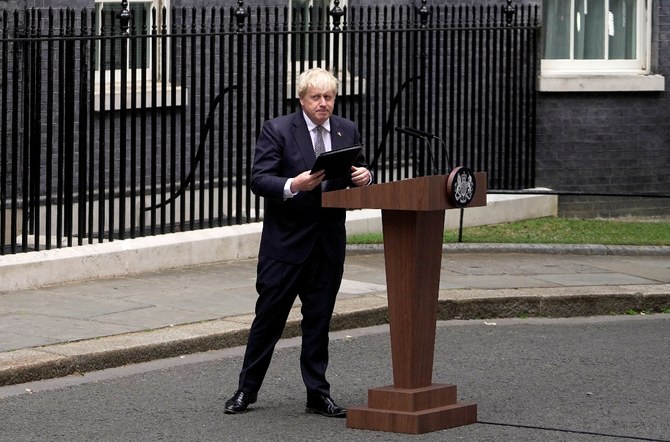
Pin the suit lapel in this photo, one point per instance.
(336, 140)
(303, 140)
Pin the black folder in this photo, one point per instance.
(337, 163)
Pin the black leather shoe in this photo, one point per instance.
(239, 402)
(325, 406)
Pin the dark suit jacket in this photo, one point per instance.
(292, 227)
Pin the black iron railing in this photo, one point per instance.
(124, 123)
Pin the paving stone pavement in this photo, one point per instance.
(68, 328)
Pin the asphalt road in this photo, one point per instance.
(579, 379)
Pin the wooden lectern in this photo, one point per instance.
(413, 226)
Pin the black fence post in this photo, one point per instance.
(82, 148)
(4, 84)
(241, 15)
(27, 88)
(337, 13)
(125, 17)
(463, 80)
(35, 156)
(69, 125)
(510, 13)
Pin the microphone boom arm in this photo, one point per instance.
(424, 136)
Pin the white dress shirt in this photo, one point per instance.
(311, 127)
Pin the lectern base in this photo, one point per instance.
(413, 411)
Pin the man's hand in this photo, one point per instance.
(360, 176)
(307, 181)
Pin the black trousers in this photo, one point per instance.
(316, 282)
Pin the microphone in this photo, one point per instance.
(414, 132)
(424, 136)
(421, 134)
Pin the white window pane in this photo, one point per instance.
(109, 23)
(589, 29)
(622, 30)
(306, 15)
(556, 30)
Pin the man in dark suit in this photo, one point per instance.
(302, 245)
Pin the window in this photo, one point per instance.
(140, 51)
(107, 22)
(308, 14)
(309, 48)
(597, 38)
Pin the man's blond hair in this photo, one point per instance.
(317, 78)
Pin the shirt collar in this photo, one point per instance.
(311, 125)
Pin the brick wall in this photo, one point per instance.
(616, 142)
(605, 142)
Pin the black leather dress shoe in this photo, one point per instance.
(325, 406)
(239, 402)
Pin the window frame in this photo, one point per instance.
(158, 5)
(603, 74)
(104, 75)
(639, 64)
(311, 6)
(296, 66)
(98, 25)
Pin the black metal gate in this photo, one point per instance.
(119, 125)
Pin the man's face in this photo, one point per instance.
(318, 105)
